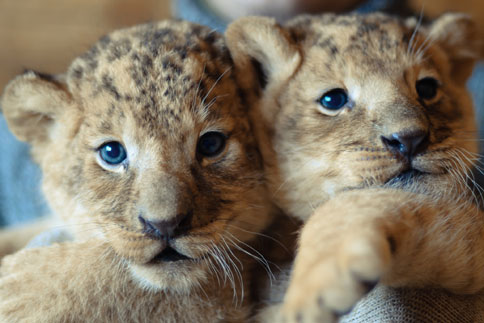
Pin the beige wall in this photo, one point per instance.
(436, 7)
(433, 8)
(47, 34)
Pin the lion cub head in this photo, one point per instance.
(145, 142)
(359, 101)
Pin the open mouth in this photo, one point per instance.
(169, 255)
(405, 177)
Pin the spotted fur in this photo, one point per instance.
(155, 88)
(368, 218)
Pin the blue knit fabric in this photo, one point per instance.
(198, 12)
(20, 196)
(375, 5)
(476, 86)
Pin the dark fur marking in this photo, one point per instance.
(104, 41)
(147, 61)
(78, 72)
(108, 85)
(392, 243)
(43, 76)
(366, 28)
(90, 57)
(155, 40)
(105, 127)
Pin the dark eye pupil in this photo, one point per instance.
(113, 153)
(427, 88)
(211, 144)
(334, 99)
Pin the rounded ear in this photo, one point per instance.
(30, 104)
(459, 37)
(261, 43)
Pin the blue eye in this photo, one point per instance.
(334, 99)
(112, 153)
(211, 144)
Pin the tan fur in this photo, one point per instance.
(333, 170)
(155, 88)
(88, 281)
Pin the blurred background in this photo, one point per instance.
(46, 35)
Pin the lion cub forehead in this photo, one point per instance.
(164, 76)
(369, 39)
(314, 28)
(366, 54)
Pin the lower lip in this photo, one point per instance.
(169, 255)
(406, 176)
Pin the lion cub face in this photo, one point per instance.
(360, 101)
(145, 142)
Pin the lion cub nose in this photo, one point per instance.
(406, 144)
(166, 229)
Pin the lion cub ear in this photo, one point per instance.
(31, 102)
(459, 37)
(261, 43)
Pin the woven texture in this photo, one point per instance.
(50, 237)
(385, 304)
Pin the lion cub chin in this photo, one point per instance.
(368, 134)
(149, 160)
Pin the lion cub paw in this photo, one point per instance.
(328, 283)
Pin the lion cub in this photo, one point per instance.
(368, 134)
(148, 158)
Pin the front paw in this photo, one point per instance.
(14, 305)
(327, 282)
(18, 300)
(50, 284)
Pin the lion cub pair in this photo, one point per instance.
(364, 126)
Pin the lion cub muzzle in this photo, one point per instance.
(167, 229)
(406, 144)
